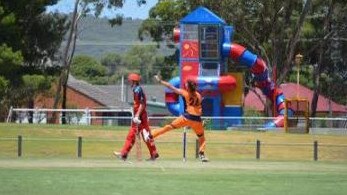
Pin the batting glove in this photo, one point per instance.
(136, 120)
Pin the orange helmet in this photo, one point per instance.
(134, 77)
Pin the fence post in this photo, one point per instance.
(315, 150)
(184, 144)
(258, 150)
(19, 149)
(197, 148)
(9, 116)
(79, 147)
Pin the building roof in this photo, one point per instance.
(290, 91)
(155, 93)
(111, 95)
(105, 95)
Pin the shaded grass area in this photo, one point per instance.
(51, 141)
(32, 176)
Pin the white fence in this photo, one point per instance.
(122, 117)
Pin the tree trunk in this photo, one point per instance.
(63, 104)
(68, 54)
(31, 113)
(316, 89)
(293, 41)
(319, 67)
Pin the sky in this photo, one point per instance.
(130, 8)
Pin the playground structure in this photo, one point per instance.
(205, 46)
(298, 122)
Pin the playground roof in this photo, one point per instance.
(202, 15)
(290, 91)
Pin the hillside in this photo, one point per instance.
(96, 37)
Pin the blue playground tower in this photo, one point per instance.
(205, 44)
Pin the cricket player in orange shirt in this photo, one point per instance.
(191, 117)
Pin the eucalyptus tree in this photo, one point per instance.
(328, 52)
(31, 38)
(10, 63)
(81, 9)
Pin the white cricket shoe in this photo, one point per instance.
(145, 135)
(120, 156)
(202, 157)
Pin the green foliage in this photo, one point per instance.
(28, 29)
(306, 75)
(10, 62)
(326, 50)
(159, 26)
(112, 61)
(3, 87)
(144, 60)
(162, 19)
(170, 68)
(87, 68)
(46, 35)
(96, 7)
(250, 112)
(35, 84)
(29, 41)
(308, 29)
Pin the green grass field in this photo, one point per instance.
(57, 176)
(49, 164)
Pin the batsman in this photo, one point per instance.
(139, 123)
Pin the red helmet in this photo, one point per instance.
(134, 77)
